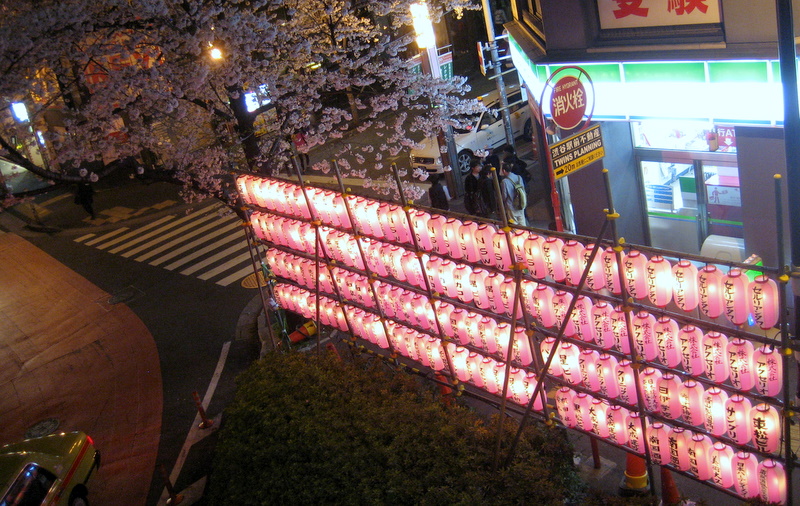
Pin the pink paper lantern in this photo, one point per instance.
(488, 373)
(565, 406)
(432, 267)
(501, 252)
(715, 361)
(483, 241)
(487, 334)
(740, 363)
(644, 336)
(477, 282)
(611, 271)
(768, 370)
(461, 280)
(737, 412)
(626, 382)
(471, 327)
(543, 305)
(458, 321)
(691, 339)
(447, 277)
(603, 325)
(419, 225)
(710, 290)
(399, 225)
(508, 295)
(451, 228)
(568, 358)
(459, 360)
(764, 301)
(493, 282)
(745, 474)
(772, 481)
(619, 324)
(659, 281)
(616, 418)
(521, 351)
(413, 270)
(561, 302)
(721, 465)
(598, 418)
(551, 249)
(658, 439)
(668, 342)
(582, 319)
(587, 363)
(435, 226)
(679, 441)
(518, 238)
(607, 375)
(649, 379)
(546, 347)
(528, 289)
(669, 388)
(572, 258)
(714, 416)
(534, 256)
(635, 435)
(765, 424)
(700, 456)
(474, 362)
(521, 388)
(595, 279)
(583, 405)
(634, 265)
(466, 241)
(735, 296)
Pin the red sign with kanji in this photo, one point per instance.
(568, 102)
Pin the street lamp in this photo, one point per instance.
(426, 42)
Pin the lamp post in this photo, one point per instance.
(498, 72)
(429, 56)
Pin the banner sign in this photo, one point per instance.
(640, 13)
(576, 152)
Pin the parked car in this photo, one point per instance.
(482, 132)
(51, 470)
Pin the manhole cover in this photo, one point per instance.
(42, 428)
(125, 295)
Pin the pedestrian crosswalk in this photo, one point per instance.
(208, 243)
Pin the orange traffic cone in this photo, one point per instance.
(669, 492)
(636, 481)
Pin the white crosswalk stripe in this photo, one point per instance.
(208, 243)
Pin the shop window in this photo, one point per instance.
(684, 136)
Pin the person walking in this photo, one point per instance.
(85, 197)
(514, 197)
(473, 200)
(487, 191)
(437, 194)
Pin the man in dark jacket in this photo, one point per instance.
(437, 194)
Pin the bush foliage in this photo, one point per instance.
(312, 429)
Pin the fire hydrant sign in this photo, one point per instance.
(576, 152)
(568, 102)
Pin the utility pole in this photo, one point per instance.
(498, 72)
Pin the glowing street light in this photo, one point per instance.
(422, 25)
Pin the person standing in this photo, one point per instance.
(513, 202)
(487, 191)
(473, 200)
(437, 194)
(85, 197)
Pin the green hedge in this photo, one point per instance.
(312, 429)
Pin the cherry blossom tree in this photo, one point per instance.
(187, 91)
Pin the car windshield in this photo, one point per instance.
(30, 487)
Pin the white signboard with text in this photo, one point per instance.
(641, 13)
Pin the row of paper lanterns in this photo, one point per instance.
(715, 293)
(734, 417)
(663, 393)
(711, 354)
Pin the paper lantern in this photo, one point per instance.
(399, 224)
(667, 341)
(572, 259)
(684, 290)
(583, 406)
(644, 338)
(659, 281)
(587, 363)
(772, 481)
(710, 291)
(691, 339)
(616, 417)
(459, 360)
(521, 351)
(518, 238)
(566, 407)
(737, 413)
(740, 363)
(432, 264)
(619, 325)
(341, 218)
(501, 251)
(419, 225)
(471, 327)
(461, 281)
(369, 210)
(451, 228)
(508, 295)
(764, 301)
(474, 362)
(546, 347)
(542, 301)
(483, 242)
(607, 375)
(715, 361)
(521, 387)
(413, 270)
(700, 456)
(603, 325)
(487, 332)
(649, 379)
(768, 370)
(561, 302)
(595, 278)
(488, 370)
(551, 250)
(528, 290)
(669, 388)
(714, 411)
(493, 282)
(634, 265)
(745, 474)
(735, 296)
(466, 241)
(611, 272)
(568, 358)
(598, 418)
(435, 226)
(626, 382)
(582, 319)
(447, 278)
(458, 321)
(766, 427)
(477, 282)
(691, 395)
(721, 468)
(658, 439)
(635, 438)
(678, 442)
(534, 256)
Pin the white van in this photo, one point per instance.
(483, 132)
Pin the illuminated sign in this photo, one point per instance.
(576, 152)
